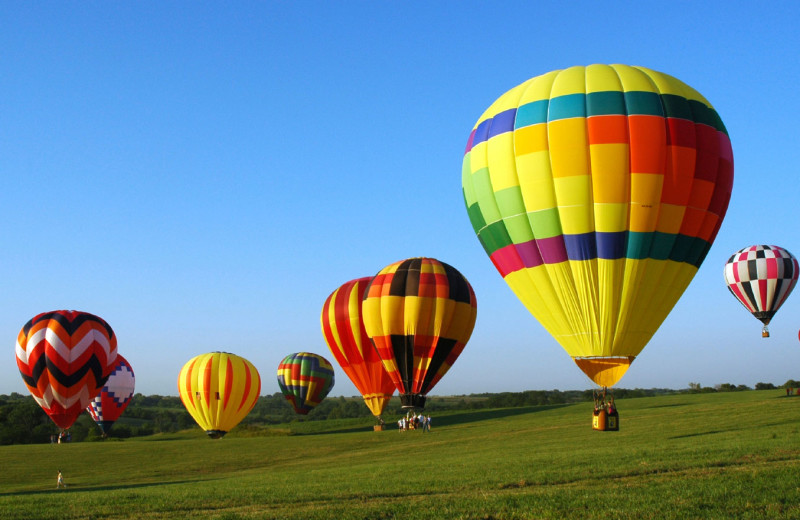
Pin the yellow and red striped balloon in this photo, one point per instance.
(218, 390)
(64, 358)
(419, 313)
(343, 329)
(597, 192)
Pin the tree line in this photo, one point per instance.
(22, 421)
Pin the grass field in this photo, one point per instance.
(722, 455)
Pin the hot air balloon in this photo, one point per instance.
(597, 192)
(419, 313)
(218, 389)
(343, 329)
(761, 278)
(305, 379)
(65, 358)
(114, 397)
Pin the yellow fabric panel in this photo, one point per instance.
(574, 190)
(634, 78)
(569, 81)
(568, 311)
(610, 172)
(670, 218)
(534, 288)
(604, 371)
(610, 279)
(646, 188)
(569, 147)
(584, 276)
(575, 204)
(371, 315)
(610, 218)
(444, 314)
(536, 181)
(503, 172)
(529, 139)
(478, 158)
(640, 316)
(538, 88)
(376, 403)
(420, 316)
(601, 78)
(645, 201)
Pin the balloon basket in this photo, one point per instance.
(765, 332)
(605, 417)
(604, 421)
(377, 427)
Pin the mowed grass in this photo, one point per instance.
(725, 455)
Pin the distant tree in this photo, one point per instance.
(765, 386)
(791, 384)
(26, 423)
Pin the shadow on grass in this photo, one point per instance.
(119, 487)
(671, 405)
(452, 419)
(698, 434)
(484, 415)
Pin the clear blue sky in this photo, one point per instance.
(203, 177)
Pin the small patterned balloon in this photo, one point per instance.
(761, 278)
(305, 379)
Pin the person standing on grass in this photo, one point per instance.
(60, 481)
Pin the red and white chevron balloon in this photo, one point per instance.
(64, 358)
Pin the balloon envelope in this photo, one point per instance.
(218, 389)
(597, 192)
(64, 358)
(419, 313)
(115, 395)
(305, 379)
(343, 329)
(761, 277)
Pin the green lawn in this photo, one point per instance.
(723, 455)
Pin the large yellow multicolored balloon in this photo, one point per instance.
(219, 390)
(597, 192)
(419, 313)
(343, 329)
